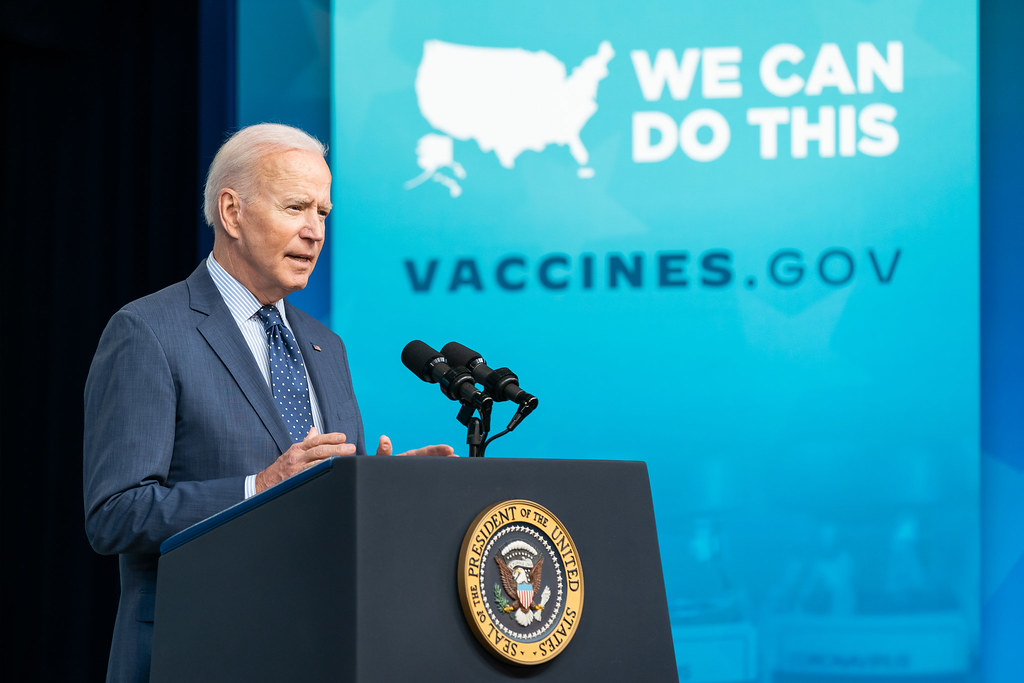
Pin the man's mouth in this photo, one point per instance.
(302, 258)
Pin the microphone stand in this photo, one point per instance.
(524, 409)
(476, 427)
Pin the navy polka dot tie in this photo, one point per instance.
(287, 374)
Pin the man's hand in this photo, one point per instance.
(306, 453)
(384, 448)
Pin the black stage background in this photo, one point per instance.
(100, 204)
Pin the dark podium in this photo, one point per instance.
(347, 572)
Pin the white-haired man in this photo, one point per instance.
(215, 388)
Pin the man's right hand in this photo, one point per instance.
(306, 453)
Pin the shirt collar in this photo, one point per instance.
(240, 301)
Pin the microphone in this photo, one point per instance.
(502, 384)
(430, 366)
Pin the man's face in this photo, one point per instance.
(281, 227)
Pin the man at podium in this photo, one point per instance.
(216, 388)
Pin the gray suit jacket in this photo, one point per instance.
(177, 414)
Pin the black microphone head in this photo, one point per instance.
(460, 355)
(420, 358)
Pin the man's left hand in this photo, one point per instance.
(384, 448)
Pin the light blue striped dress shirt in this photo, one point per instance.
(243, 306)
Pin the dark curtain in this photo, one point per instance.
(100, 200)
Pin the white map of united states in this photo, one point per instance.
(507, 100)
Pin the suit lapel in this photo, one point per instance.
(222, 334)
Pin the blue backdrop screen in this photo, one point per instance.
(738, 242)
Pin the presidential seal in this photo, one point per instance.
(520, 582)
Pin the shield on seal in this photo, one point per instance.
(525, 591)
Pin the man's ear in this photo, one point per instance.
(229, 205)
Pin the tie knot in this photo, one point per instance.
(270, 317)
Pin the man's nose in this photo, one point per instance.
(314, 227)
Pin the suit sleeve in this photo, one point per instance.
(130, 418)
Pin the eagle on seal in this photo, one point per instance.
(519, 585)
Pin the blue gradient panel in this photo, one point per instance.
(736, 241)
(1002, 328)
(283, 77)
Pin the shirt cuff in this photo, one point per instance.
(250, 486)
